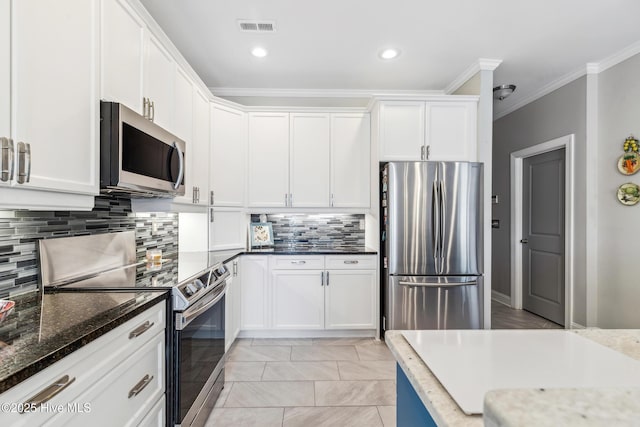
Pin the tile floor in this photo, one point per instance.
(308, 382)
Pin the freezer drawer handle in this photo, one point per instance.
(49, 392)
(351, 261)
(436, 285)
(141, 329)
(142, 384)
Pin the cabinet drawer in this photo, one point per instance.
(353, 262)
(292, 262)
(127, 393)
(85, 367)
(156, 416)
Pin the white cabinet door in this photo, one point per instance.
(159, 72)
(228, 156)
(233, 304)
(451, 130)
(184, 123)
(350, 160)
(401, 128)
(298, 299)
(54, 97)
(254, 291)
(350, 299)
(227, 229)
(309, 160)
(200, 147)
(268, 159)
(122, 44)
(5, 68)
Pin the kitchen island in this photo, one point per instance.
(517, 407)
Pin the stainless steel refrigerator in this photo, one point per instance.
(431, 233)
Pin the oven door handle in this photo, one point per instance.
(183, 320)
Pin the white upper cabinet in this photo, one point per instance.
(268, 159)
(228, 163)
(401, 130)
(443, 129)
(122, 50)
(200, 147)
(350, 160)
(159, 71)
(451, 130)
(54, 94)
(5, 69)
(309, 160)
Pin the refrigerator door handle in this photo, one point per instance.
(439, 282)
(435, 219)
(443, 216)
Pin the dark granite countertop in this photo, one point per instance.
(42, 329)
(225, 256)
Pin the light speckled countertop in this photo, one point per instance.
(530, 407)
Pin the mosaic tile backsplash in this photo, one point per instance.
(20, 231)
(325, 230)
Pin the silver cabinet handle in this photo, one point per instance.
(422, 153)
(327, 278)
(428, 150)
(176, 185)
(524, 241)
(353, 261)
(235, 268)
(141, 329)
(211, 195)
(145, 107)
(50, 392)
(298, 262)
(24, 162)
(290, 200)
(286, 199)
(322, 278)
(152, 110)
(211, 218)
(333, 198)
(142, 384)
(193, 195)
(7, 159)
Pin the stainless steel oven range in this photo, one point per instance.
(195, 353)
(199, 346)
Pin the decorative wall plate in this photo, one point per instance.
(629, 163)
(629, 194)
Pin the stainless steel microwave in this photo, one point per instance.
(137, 156)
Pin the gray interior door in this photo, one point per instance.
(543, 234)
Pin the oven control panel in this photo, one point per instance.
(187, 293)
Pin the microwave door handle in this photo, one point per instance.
(176, 185)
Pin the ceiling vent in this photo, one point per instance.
(257, 26)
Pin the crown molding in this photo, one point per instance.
(482, 64)
(619, 56)
(589, 68)
(316, 93)
(545, 90)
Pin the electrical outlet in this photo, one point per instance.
(362, 224)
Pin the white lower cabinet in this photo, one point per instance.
(254, 292)
(298, 299)
(350, 298)
(115, 380)
(157, 415)
(232, 307)
(309, 292)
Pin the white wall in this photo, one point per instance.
(618, 225)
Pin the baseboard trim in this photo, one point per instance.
(309, 333)
(501, 298)
(575, 325)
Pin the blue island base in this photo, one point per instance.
(410, 410)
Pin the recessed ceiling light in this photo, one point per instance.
(389, 53)
(259, 52)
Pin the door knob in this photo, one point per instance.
(525, 241)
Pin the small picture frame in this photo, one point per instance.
(261, 234)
